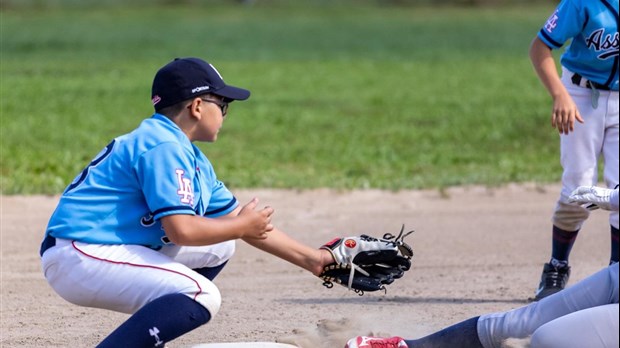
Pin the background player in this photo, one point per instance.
(583, 315)
(588, 93)
(147, 225)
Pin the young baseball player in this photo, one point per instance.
(585, 113)
(147, 225)
(583, 315)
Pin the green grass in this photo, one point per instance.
(342, 96)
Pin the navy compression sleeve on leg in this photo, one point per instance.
(462, 335)
(158, 322)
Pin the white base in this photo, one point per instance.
(244, 345)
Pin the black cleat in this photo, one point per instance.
(552, 280)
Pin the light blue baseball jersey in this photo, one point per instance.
(593, 27)
(136, 180)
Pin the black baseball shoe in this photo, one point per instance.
(552, 280)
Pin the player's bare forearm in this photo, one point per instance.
(564, 112)
(283, 246)
(192, 230)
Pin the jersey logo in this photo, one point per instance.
(147, 220)
(607, 43)
(552, 22)
(185, 191)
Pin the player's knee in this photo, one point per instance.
(226, 250)
(196, 257)
(209, 297)
(569, 217)
(215, 255)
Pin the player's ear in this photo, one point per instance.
(195, 108)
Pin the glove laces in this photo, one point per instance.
(353, 267)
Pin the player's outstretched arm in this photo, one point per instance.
(193, 230)
(285, 247)
(361, 263)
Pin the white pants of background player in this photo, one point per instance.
(124, 278)
(582, 148)
(583, 315)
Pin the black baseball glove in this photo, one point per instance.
(366, 263)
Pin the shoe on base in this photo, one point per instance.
(552, 280)
(376, 342)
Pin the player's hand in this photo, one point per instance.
(564, 114)
(257, 222)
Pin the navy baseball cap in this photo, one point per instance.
(186, 78)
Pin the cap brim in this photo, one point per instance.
(232, 93)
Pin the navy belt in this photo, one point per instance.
(47, 243)
(579, 81)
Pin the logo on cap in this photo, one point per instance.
(200, 89)
(156, 99)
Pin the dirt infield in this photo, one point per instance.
(476, 250)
